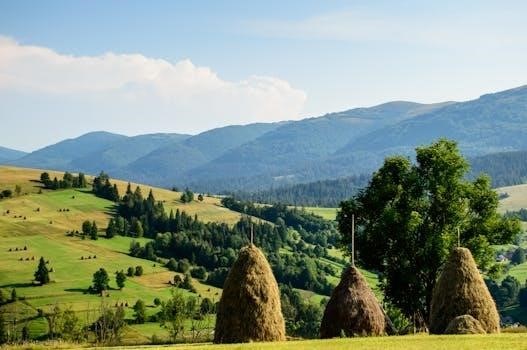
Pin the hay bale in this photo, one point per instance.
(352, 309)
(460, 290)
(464, 324)
(249, 307)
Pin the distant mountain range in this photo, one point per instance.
(269, 155)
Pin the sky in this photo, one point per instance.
(136, 67)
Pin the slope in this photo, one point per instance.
(8, 154)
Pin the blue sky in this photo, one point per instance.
(171, 66)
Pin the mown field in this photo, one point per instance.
(509, 341)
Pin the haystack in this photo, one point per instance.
(352, 309)
(249, 308)
(460, 290)
(464, 324)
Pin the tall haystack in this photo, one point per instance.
(249, 308)
(352, 309)
(460, 290)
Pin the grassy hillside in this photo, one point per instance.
(35, 224)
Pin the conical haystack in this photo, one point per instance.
(352, 309)
(249, 308)
(460, 290)
(464, 324)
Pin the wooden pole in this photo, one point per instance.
(458, 238)
(353, 240)
(252, 234)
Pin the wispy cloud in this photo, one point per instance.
(482, 30)
(146, 93)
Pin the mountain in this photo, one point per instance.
(276, 155)
(505, 168)
(59, 155)
(257, 157)
(8, 154)
(165, 166)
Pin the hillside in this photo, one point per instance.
(40, 222)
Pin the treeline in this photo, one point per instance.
(312, 228)
(68, 181)
(104, 189)
(325, 193)
(214, 246)
(505, 168)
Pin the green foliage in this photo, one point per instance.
(130, 272)
(507, 293)
(94, 231)
(104, 189)
(68, 181)
(518, 257)
(173, 314)
(42, 272)
(138, 270)
(120, 279)
(109, 326)
(187, 196)
(139, 311)
(4, 335)
(409, 216)
(100, 280)
(199, 272)
(301, 318)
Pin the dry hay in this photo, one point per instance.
(460, 290)
(249, 308)
(352, 309)
(464, 324)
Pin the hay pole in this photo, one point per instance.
(458, 238)
(252, 233)
(352, 239)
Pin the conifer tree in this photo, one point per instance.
(42, 273)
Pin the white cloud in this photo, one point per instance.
(131, 93)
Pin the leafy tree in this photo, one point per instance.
(522, 297)
(200, 197)
(140, 311)
(109, 326)
(42, 273)
(139, 270)
(207, 306)
(70, 326)
(100, 280)
(130, 272)
(173, 314)
(187, 196)
(7, 193)
(409, 216)
(136, 229)
(120, 278)
(86, 228)
(518, 257)
(187, 283)
(14, 296)
(25, 333)
(199, 272)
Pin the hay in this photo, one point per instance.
(352, 309)
(460, 290)
(249, 307)
(464, 324)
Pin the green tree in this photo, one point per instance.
(120, 278)
(140, 311)
(111, 229)
(4, 336)
(42, 273)
(86, 228)
(408, 220)
(173, 314)
(100, 280)
(130, 272)
(136, 229)
(139, 270)
(93, 231)
(518, 257)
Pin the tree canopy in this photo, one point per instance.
(409, 217)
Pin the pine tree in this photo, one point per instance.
(110, 230)
(42, 273)
(93, 231)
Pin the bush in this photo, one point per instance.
(138, 270)
(199, 272)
